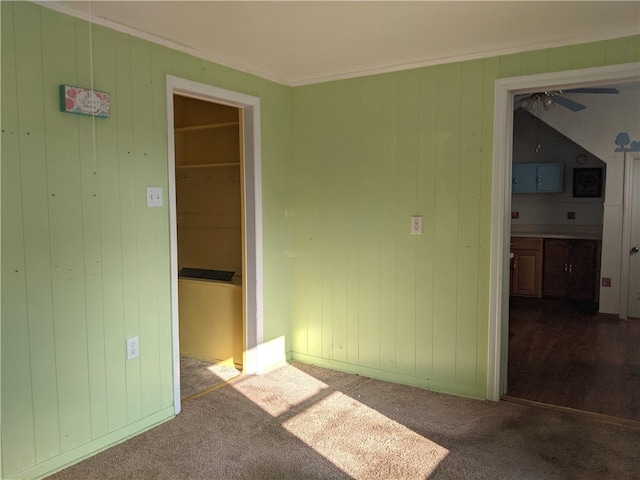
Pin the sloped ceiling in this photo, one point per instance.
(596, 127)
(301, 42)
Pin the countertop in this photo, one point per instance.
(568, 236)
(578, 232)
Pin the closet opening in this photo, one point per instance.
(210, 249)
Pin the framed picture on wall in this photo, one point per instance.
(587, 182)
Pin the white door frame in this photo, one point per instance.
(505, 90)
(630, 160)
(252, 276)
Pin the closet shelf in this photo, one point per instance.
(209, 165)
(210, 126)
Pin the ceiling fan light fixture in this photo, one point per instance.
(547, 102)
(528, 104)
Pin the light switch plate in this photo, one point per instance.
(154, 196)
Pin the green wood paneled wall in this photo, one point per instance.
(85, 263)
(368, 153)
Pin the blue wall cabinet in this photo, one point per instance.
(537, 177)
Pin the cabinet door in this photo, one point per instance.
(582, 269)
(549, 178)
(556, 268)
(526, 266)
(525, 277)
(523, 178)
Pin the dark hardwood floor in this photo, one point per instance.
(561, 354)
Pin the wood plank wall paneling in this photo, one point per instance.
(66, 230)
(425, 205)
(345, 153)
(558, 59)
(370, 222)
(91, 230)
(85, 261)
(161, 63)
(406, 308)
(128, 220)
(406, 245)
(41, 326)
(388, 192)
(633, 49)
(616, 50)
(471, 123)
(448, 105)
(107, 146)
(16, 388)
(147, 301)
(276, 220)
(491, 68)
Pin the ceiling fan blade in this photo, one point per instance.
(592, 90)
(570, 104)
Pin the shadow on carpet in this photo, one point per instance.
(197, 376)
(306, 422)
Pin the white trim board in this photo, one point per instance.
(242, 67)
(252, 276)
(134, 32)
(631, 162)
(505, 90)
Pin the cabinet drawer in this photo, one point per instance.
(528, 243)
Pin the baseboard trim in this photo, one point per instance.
(75, 455)
(395, 377)
(614, 317)
(573, 411)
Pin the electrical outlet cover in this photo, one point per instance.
(133, 348)
(416, 225)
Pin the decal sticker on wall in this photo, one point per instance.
(85, 101)
(625, 144)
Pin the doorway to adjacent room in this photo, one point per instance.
(506, 89)
(215, 225)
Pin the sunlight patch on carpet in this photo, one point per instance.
(325, 425)
(284, 394)
(356, 438)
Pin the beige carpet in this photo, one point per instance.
(304, 422)
(197, 376)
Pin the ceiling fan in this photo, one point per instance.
(550, 98)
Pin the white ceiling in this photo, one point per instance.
(301, 42)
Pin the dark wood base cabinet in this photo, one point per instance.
(569, 269)
(526, 267)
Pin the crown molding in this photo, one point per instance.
(61, 8)
(150, 37)
(467, 57)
